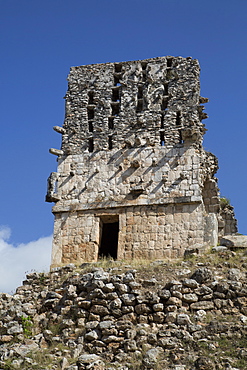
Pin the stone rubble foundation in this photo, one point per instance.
(111, 319)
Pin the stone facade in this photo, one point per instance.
(133, 179)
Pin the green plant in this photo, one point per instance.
(42, 278)
(27, 324)
(55, 328)
(224, 202)
(241, 363)
(8, 364)
(47, 357)
(41, 358)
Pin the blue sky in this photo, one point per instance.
(41, 40)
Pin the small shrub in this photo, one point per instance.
(42, 278)
(27, 326)
(224, 202)
(55, 328)
(8, 365)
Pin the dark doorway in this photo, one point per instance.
(109, 239)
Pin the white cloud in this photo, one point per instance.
(16, 261)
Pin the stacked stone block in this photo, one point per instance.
(116, 315)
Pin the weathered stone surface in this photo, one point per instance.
(122, 288)
(99, 310)
(84, 303)
(150, 358)
(171, 317)
(105, 324)
(142, 309)
(130, 345)
(91, 325)
(203, 290)
(202, 305)
(211, 229)
(202, 275)
(190, 298)
(174, 301)
(108, 288)
(128, 299)
(87, 359)
(235, 274)
(158, 307)
(219, 248)
(191, 283)
(164, 294)
(128, 277)
(92, 335)
(115, 304)
(14, 328)
(183, 319)
(6, 338)
(159, 317)
(234, 241)
(203, 363)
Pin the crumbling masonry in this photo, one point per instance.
(133, 179)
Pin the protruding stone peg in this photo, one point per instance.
(184, 175)
(135, 163)
(203, 100)
(59, 129)
(56, 151)
(165, 177)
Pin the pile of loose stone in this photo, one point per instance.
(108, 319)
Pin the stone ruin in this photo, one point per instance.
(133, 179)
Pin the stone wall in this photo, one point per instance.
(123, 317)
(144, 232)
(229, 220)
(138, 176)
(112, 105)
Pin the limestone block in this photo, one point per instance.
(211, 229)
(202, 305)
(235, 241)
(171, 317)
(183, 319)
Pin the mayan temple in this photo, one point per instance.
(133, 179)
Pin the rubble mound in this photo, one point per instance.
(185, 315)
